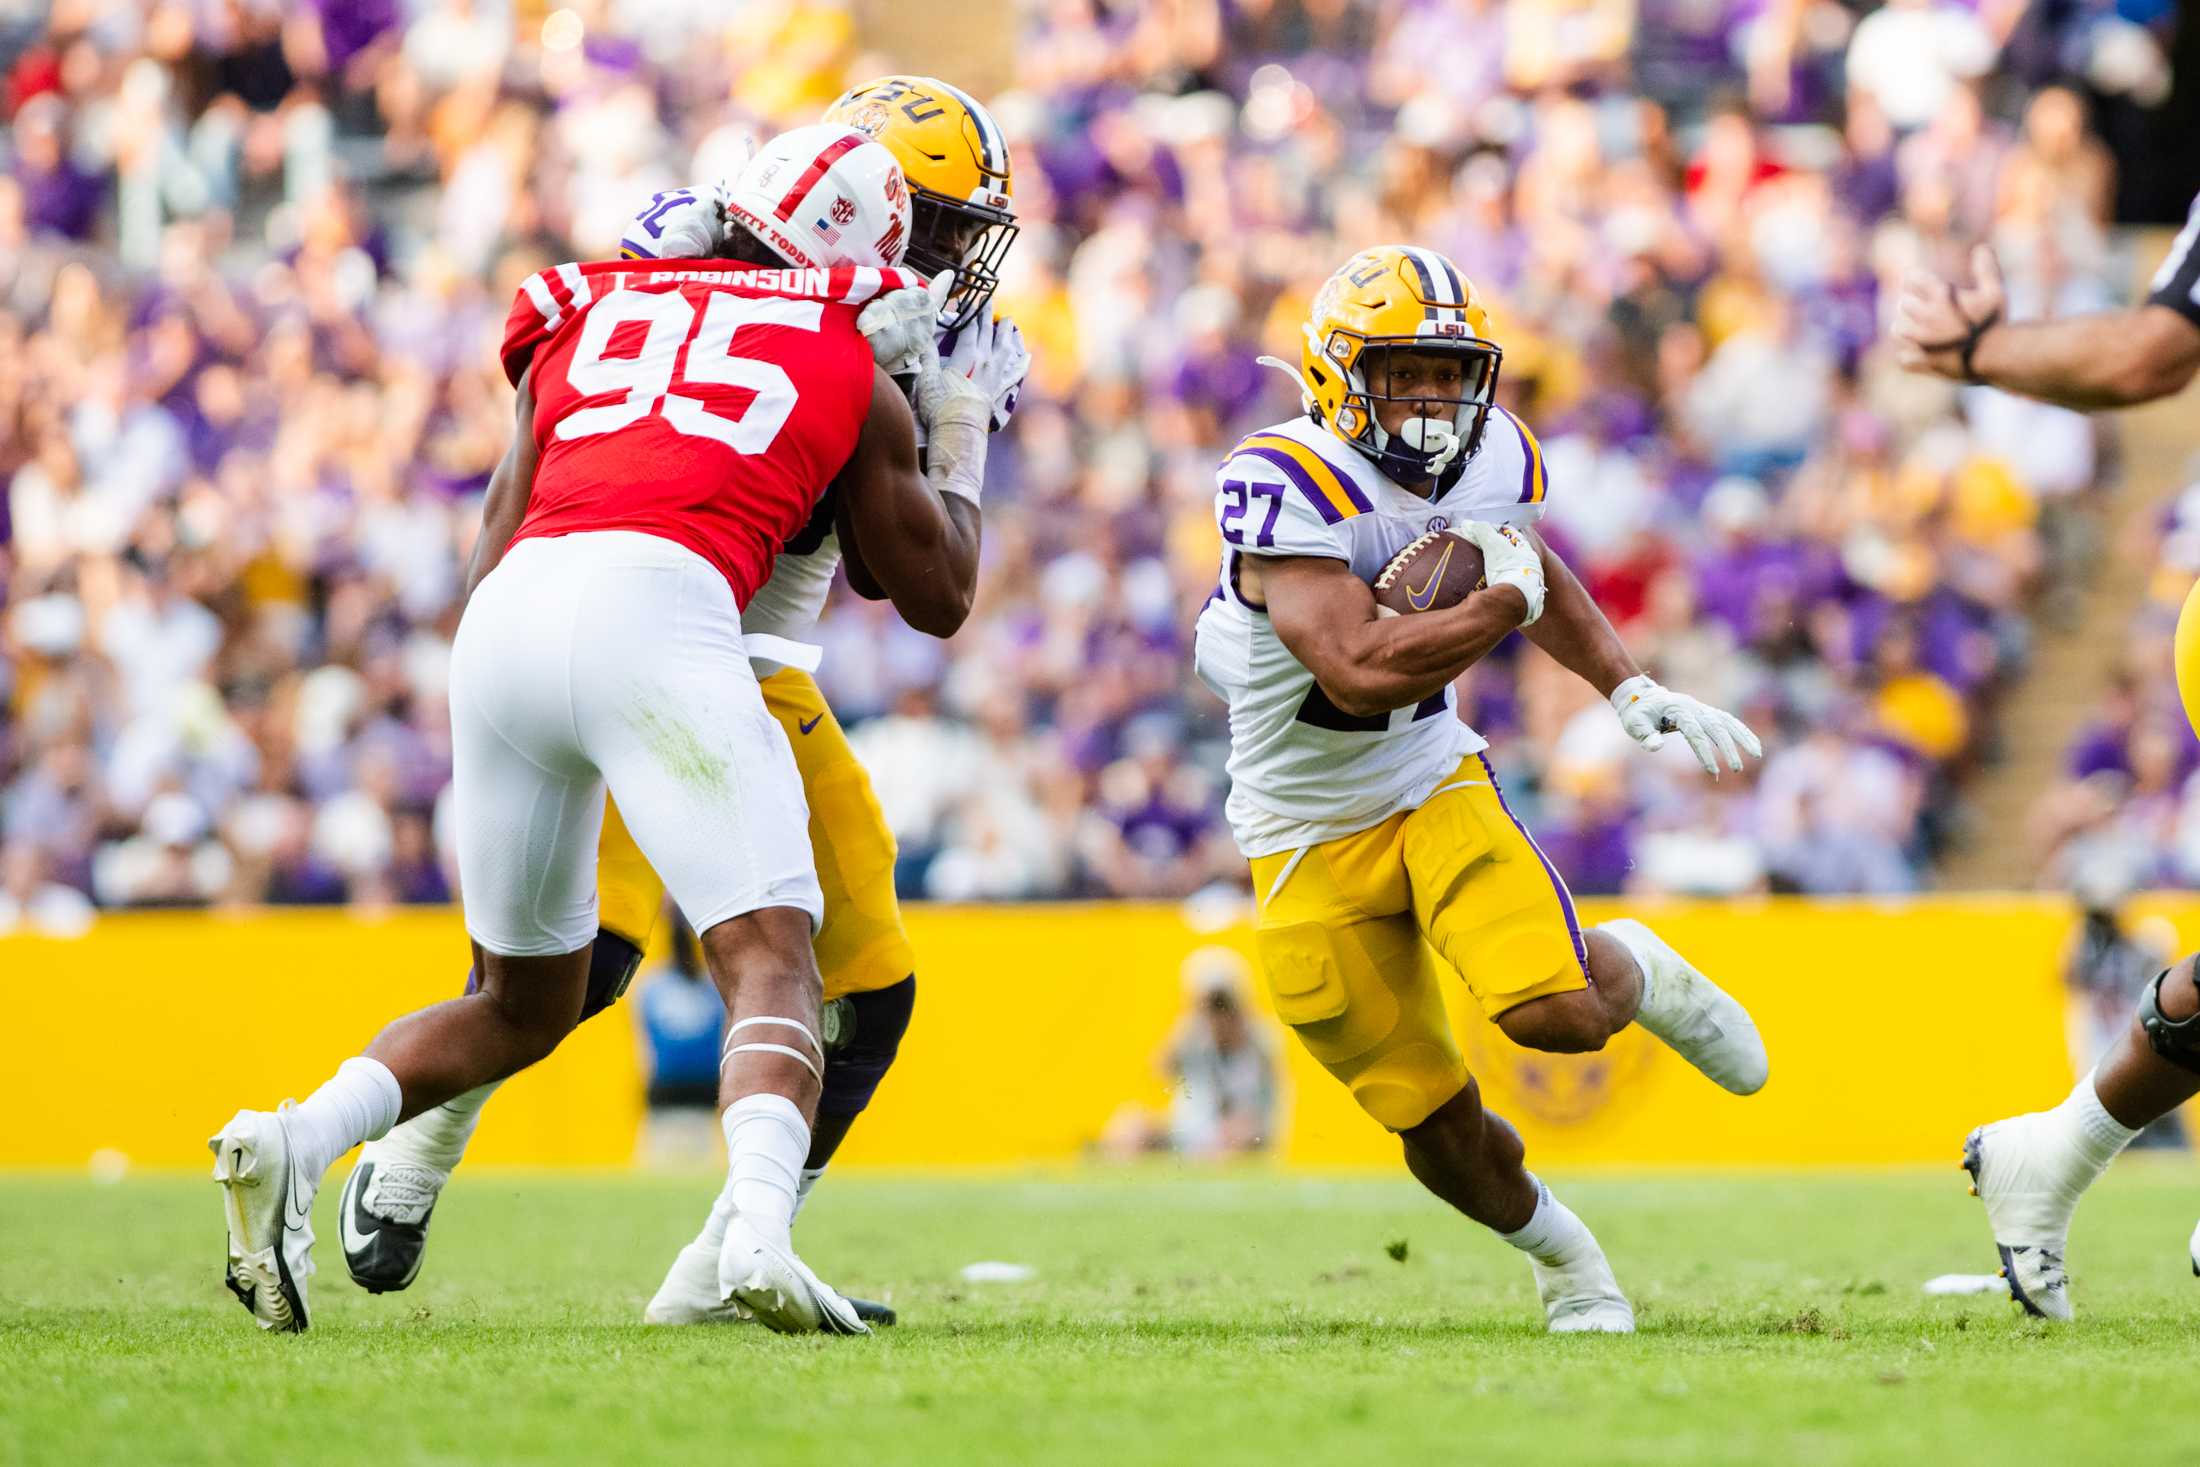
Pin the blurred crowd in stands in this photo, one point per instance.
(253, 259)
(2127, 809)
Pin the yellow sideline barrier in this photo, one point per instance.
(1893, 1028)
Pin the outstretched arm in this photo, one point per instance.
(915, 538)
(2118, 359)
(1365, 663)
(510, 487)
(2109, 360)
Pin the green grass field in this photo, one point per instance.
(1175, 1317)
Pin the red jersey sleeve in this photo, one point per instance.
(544, 301)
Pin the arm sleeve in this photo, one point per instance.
(1261, 511)
(2177, 284)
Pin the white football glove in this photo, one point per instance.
(679, 224)
(1649, 711)
(990, 352)
(903, 327)
(1509, 558)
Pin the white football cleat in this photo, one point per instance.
(268, 1207)
(1695, 1017)
(778, 1288)
(2195, 1250)
(2029, 1204)
(1583, 1298)
(690, 1292)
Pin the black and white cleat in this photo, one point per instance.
(384, 1220)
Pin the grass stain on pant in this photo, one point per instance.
(682, 752)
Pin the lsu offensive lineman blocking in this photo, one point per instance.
(961, 222)
(675, 425)
(1383, 855)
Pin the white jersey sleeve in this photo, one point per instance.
(1267, 504)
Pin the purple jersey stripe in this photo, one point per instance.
(1527, 460)
(1298, 476)
(1361, 504)
(1352, 492)
(1558, 883)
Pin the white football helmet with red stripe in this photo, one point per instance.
(824, 195)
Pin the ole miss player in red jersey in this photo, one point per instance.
(676, 423)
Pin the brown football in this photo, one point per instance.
(1440, 569)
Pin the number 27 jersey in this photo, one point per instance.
(1303, 771)
(706, 402)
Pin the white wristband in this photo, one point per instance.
(955, 442)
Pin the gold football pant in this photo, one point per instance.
(1355, 935)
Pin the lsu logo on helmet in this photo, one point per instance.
(962, 215)
(1407, 300)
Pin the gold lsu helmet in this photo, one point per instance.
(956, 161)
(1398, 299)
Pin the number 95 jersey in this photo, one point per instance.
(706, 402)
(1302, 771)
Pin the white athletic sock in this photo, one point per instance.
(713, 1235)
(810, 1174)
(1552, 1236)
(766, 1143)
(359, 1103)
(437, 1138)
(2094, 1136)
(721, 1211)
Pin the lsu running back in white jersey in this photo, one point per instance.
(1301, 770)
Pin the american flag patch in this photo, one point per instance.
(826, 232)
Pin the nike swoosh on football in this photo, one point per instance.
(1419, 600)
(809, 723)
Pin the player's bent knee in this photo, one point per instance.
(1407, 1085)
(1559, 1023)
(863, 1033)
(2169, 1015)
(537, 1000)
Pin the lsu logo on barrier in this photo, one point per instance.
(1555, 1089)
